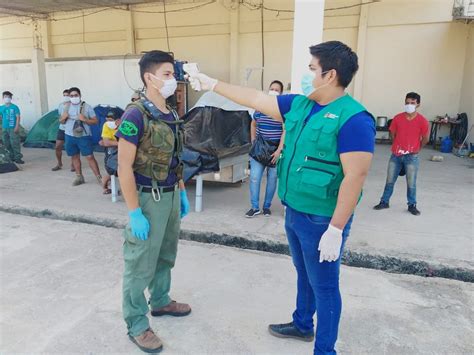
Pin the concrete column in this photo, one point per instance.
(40, 92)
(361, 46)
(307, 31)
(234, 45)
(130, 31)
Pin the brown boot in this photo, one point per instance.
(148, 342)
(174, 309)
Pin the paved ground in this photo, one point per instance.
(61, 293)
(442, 234)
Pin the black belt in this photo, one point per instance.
(148, 189)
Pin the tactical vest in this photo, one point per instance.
(158, 145)
(309, 169)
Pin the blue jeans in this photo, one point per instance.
(395, 164)
(256, 173)
(318, 283)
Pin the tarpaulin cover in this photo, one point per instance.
(211, 134)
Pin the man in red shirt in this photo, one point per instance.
(409, 133)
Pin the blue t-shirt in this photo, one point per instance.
(9, 114)
(135, 118)
(267, 127)
(356, 135)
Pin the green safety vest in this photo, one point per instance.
(158, 146)
(309, 169)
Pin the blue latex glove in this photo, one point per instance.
(184, 203)
(139, 224)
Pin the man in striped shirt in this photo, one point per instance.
(270, 130)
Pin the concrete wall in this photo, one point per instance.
(467, 89)
(102, 81)
(404, 45)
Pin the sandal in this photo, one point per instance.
(107, 191)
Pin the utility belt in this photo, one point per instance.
(155, 190)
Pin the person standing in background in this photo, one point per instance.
(410, 133)
(10, 115)
(270, 130)
(60, 136)
(78, 116)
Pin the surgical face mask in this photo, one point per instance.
(66, 99)
(111, 124)
(168, 88)
(307, 83)
(7, 100)
(273, 93)
(75, 100)
(410, 108)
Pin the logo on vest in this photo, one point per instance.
(331, 115)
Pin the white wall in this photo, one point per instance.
(101, 82)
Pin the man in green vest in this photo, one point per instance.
(150, 173)
(327, 154)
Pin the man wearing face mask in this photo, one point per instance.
(150, 173)
(77, 117)
(327, 153)
(10, 115)
(269, 131)
(61, 135)
(409, 133)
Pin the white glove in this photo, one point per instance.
(330, 244)
(201, 81)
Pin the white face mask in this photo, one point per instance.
(273, 93)
(168, 88)
(66, 99)
(75, 100)
(111, 124)
(410, 108)
(7, 100)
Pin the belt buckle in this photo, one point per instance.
(154, 193)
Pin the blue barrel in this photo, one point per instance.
(446, 145)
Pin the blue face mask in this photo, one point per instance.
(307, 83)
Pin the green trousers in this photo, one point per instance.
(148, 263)
(11, 141)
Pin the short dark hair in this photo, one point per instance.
(151, 60)
(66, 91)
(413, 95)
(277, 82)
(7, 93)
(338, 56)
(75, 89)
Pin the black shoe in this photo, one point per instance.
(267, 212)
(289, 330)
(413, 210)
(252, 213)
(19, 161)
(381, 206)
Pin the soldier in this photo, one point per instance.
(150, 173)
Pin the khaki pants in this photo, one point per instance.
(148, 263)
